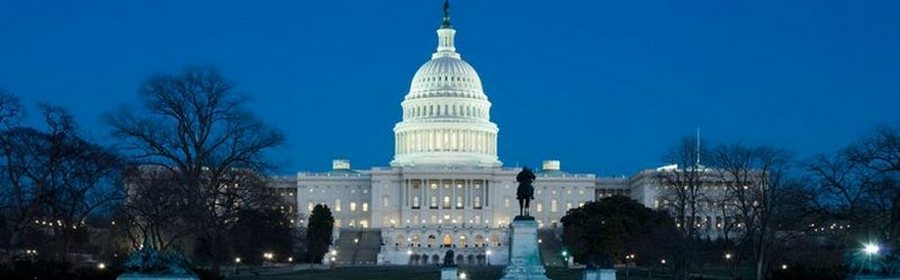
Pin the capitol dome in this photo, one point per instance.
(446, 77)
(446, 115)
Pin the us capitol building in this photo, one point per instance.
(445, 187)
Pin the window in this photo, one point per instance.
(553, 205)
(365, 207)
(352, 206)
(433, 204)
(446, 202)
(477, 201)
(415, 202)
(459, 202)
(337, 205)
(506, 202)
(539, 207)
(310, 206)
(386, 201)
(568, 206)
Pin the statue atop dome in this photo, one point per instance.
(446, 23)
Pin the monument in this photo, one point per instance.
(151, 264)
(448, 269)
(524, 257)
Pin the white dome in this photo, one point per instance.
(446, 115)
(446, 76)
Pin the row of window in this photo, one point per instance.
(432, 110)
(433, 203)
(446, 140)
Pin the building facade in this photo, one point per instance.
(446, 187)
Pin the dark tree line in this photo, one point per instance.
(51, 181)
(187, 172)
(773, 210)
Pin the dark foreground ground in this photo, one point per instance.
(411, 273)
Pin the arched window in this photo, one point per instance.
(447, 241)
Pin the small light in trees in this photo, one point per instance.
(101, 266)
(290, 259)
(662, 261)
(462, 275)
(784, 267)
(728, 256)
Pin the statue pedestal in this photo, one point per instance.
(599, 274)
(449, 273)
(524, 257)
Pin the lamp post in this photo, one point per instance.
(871, 251)
(237, 262)
(629, 260)
(488, 256)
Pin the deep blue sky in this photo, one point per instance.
(604, 86)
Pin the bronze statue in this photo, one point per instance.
(525, 192)
(448, 258)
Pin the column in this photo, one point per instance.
(404, 194)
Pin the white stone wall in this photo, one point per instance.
(346, 193)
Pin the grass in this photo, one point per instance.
(409, 273)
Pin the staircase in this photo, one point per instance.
(358, 247)
(550, 247)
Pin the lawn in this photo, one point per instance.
(409, 273)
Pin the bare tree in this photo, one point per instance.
(879, 154)
(53, 178)
(151, 212)
(843, 191)
(683, 185)
(194, 126)
(754, 178)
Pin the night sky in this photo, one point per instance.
(605, 86)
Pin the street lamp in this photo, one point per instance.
(728, 256)
(463, 276)
(871, 249)
(488, 257)
(237, 260)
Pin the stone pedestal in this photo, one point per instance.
(524, 257)
(599, 274)
(449, 273)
